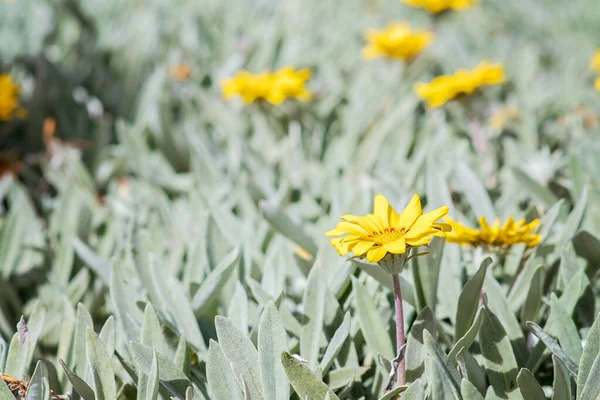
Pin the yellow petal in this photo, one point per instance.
(396, 247)
(410, 214)
(376, 254)
(366, 222)
(339, 245)
(343, 228)
(443, 227)
(421, 241)
(361, 247)
(382, 209)
(424, 224)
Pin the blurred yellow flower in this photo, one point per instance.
(396, 41)
(495, 235)
(437, 6)
(273, 87)
(445, 88)
(502, 116)
(597, 84)
(9, 98)
(384, 231)
(595, 62)
(287, 82)
(180, 72)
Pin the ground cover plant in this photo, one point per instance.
(259, 199)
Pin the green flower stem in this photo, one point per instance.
(400, 338)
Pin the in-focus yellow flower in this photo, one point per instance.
(463, 82)
(512, 232)
(437, 6)
(502, 116)
(9, 99)
(273, 87)
(384, 231)
(595, 62)
(180, 72)
(396, 41)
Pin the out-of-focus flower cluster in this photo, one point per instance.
(447, 87)
(511, 233)
(398, 40)
(273, 87)
(437, 6)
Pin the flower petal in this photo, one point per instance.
(382, 209)
(343, 228)
(366, 222)
(396, 247)
(421, 241)
(424, 224)
(410, 214)
(361, 247)
(376, 254)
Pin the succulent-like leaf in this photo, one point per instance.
(272, 341)
(468, 302)
(242, 355)
(222, 382)
(171, 377)
(305, 383)
(99, 363)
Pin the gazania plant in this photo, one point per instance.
(272, 87)
(396, 41)
(189, 206)
(388, 239)
(462, 83)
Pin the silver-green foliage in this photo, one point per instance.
(187, 260)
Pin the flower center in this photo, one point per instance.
(387, 235)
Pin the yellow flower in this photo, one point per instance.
(396, 41)
(597, 84)
(384, 231)
(9, 98)
(595, 62)
(180, 72)
(502, 116)
(437, 6)
(250, 87)
(273, 87)
(447, 87)
(287, 82)
(512, 232)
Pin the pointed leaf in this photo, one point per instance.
(272, 341)
(305, 383)
(242, 355)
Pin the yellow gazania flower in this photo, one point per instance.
(287, 82)
(447, 87)
(437, 6)
(273, 87)
(396, 41)
(384, 231)
(180, 72)
(502, 116)
(595, 62)
(512, 232)
(250, 87)
(9, 98)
